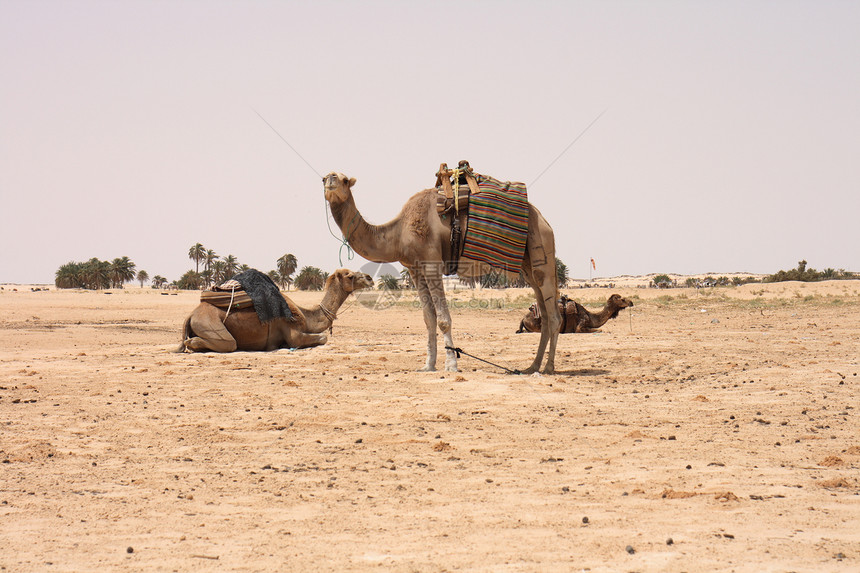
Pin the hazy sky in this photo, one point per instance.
(730, 139)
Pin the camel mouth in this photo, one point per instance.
(361, 281)
(330, 182)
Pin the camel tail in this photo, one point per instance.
(185, 334)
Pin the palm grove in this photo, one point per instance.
(209, 269)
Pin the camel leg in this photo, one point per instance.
(433, 275)
(549, 326)
(211, 335)
(539, 267)
(307, 339)
(429, 310)
(542, 306)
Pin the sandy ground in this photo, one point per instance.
(710, 431)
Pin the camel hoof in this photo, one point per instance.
(427, 369)
(451, 368)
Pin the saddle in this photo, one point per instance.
(563, 306)
(250, 288)
(452, 203)
(234, 298)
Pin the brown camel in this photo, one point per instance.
(421, 241)
(207, 330)
(577, 318)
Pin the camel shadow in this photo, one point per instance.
(582, 372)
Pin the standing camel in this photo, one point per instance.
(210, 328)
(421, 241)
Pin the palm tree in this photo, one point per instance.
(121, 271)
(69, 276)
(561, 273)
(231, 265)
(219, 271)
(142, 276)
(189, 281)
(96, 274)
(196, 254)
(310, 278)
(158, 281)
(208, 258)
(388, 282)
(287, 265)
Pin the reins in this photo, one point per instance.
(344, 242)
(328, 314)
(232, 295)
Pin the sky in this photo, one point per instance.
(656, 137)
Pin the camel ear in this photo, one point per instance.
(351, 182)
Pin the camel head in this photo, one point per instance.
(350, 281)
(337, 187)
(616, 302)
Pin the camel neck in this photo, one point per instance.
(373, 242)
(602, 317)
(321, 317)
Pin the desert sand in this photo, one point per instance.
(715, 430)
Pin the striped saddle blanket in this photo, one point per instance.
(237, 300)
(498, 224)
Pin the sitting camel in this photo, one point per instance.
(212, 328)
(575, 317)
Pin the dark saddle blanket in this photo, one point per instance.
(250, 288)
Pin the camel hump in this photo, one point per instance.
(297, 313)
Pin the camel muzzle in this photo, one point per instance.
(329, 182)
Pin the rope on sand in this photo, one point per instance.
(459, 351)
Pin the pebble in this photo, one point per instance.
(129, 550)
(584, 520)
(670, 541)
(629, 549)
